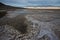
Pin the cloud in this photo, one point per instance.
(20, 1)
(31, 2)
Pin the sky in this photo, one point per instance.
(23, 3)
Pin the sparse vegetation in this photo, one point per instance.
(20, 24)
(2, 13)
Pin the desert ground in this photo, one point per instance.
(30, 24)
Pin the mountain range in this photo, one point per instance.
(8, 7)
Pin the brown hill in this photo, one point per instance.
(8, 7)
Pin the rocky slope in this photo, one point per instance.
(8, 7)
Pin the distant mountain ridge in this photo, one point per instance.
(8, 7)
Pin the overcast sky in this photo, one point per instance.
(31, 2)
